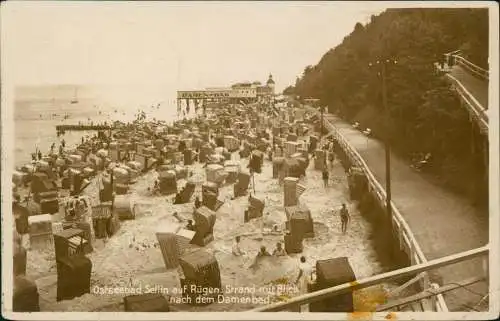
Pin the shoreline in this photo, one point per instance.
(31, 121)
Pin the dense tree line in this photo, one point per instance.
(424, 114)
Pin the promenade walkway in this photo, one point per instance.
(442, 222)
(477, 87)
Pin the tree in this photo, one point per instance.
(290, 90)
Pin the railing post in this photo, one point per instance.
(401, 238)
(434, 301)
(412, 253)
(425, 281)
(440, 304)
(486, 267)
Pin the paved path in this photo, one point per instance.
(477, 87)
(442, 222)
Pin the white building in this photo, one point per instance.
(246, 92)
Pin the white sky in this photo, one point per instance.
(178, 45)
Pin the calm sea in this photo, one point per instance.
(39, 109)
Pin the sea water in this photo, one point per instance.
(37, 111)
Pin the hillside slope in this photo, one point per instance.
(424, 114)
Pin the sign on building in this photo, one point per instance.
(202, 94)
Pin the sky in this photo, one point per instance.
(179, 46)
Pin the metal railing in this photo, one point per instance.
(294, 304)
(467, 65)
(477, 111)
(406, 237)
(472, 68)
(407, 241)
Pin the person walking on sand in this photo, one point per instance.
(344, 217)
(325, 176)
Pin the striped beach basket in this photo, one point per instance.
(167, 239)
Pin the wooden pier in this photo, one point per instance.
(61, 128)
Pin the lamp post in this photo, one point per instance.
(322, 110)
(382, 64)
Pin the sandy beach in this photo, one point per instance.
(132, 258)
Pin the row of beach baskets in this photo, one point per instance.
(201, 269)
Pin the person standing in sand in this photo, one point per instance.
(305, 274)
(344, 217)
(325, 176)
(304, 279)
(236, 247)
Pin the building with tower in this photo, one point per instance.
(246, 92)
(265, 94)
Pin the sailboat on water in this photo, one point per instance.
(75, 98)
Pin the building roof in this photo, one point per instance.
(242, 85)
(217, 88)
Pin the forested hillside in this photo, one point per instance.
(424, 114)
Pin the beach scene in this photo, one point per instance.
(133, 257)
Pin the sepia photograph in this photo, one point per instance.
(230, 160)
